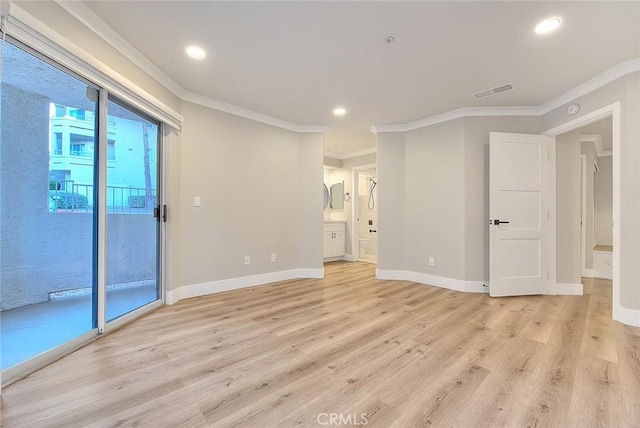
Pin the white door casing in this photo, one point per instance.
(519, 195)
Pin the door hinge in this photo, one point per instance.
(164, 213)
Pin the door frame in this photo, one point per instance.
(583, 214)
(355, 209)
(613, 111)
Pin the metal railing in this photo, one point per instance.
(72, 197)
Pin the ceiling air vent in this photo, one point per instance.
(492, 91)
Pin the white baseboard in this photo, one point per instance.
(349, 258)
(589, 273)
(438, 281)
(203, 289)
(307, 273)
(569, 289)
(626, 316)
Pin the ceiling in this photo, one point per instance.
(296, 61)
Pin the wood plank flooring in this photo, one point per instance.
(388, 353)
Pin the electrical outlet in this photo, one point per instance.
(432, 261)
(273, 257)
(247, 260)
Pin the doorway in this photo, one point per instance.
(596, 199)
(365, 225)
(613, 111)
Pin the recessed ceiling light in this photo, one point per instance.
(548, 25)
(339, 111)
(196, 52)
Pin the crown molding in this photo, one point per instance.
(608, 76)
(38, 35)
(333, 155)
(599, 81)
(80, 11)
(250, 114)
(351, 154)
(85, 15)
(91, 20)
(457, 114)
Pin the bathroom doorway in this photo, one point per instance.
(365, 227)
(596, 196)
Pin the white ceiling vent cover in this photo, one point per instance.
(492, 91)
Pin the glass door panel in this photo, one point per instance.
(47, 220)
(132, 194)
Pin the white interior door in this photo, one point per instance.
(518, 213)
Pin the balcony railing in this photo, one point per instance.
(72, 197)
(80, 153)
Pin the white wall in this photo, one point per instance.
(434, 214)
(604, 212)
(568, 229)
(309, 199)
(261, 193)
(391, 192)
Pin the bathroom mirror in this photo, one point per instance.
(326, 196)
(337, 196)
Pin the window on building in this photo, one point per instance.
(111, 150)
(81, 145)
(78, 114)
(61, 111)
(56, 143)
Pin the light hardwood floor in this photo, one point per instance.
(400, 353)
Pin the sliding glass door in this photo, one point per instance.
(77, 197)
(132, 230)
(46, 207)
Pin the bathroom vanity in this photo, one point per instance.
(334, 239)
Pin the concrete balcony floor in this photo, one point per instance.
(31, 330)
